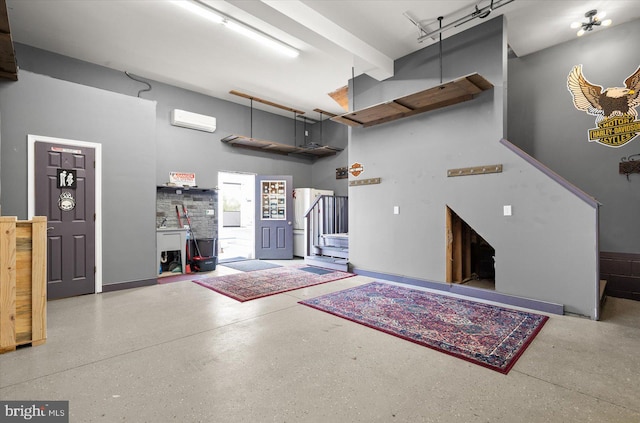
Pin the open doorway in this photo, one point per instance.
(236, 211)
(470, 258)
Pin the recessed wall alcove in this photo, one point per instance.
(470, 258)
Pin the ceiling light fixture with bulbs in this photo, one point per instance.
(595, 19)
(206, 12)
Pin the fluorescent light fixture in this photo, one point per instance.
(213, 15)
(200, 10)
(262, 38)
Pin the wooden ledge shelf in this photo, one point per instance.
(8, 63)
(277, 148)
(457, 91)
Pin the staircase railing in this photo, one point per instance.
(328, 214)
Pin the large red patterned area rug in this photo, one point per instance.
(262, 283)
(491, 336)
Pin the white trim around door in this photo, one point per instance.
(31, 203)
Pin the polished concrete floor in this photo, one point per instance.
(181, 353)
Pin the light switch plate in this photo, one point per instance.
(396, 209)
(507, 210)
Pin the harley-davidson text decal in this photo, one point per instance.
(614, 108)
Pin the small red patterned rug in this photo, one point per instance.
(487, 335)
(262, 283)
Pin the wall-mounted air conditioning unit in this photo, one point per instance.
(193, 120)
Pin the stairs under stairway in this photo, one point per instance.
(327, 234)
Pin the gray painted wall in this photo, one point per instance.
(182, 149)
(124, 125)
(140, 146)
(547, 250)
(544, 122)
(544, 251)
(323, 172)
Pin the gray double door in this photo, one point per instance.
(65, 194)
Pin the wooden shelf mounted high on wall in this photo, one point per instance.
(457, 91)
(310, 151)
(278, 148)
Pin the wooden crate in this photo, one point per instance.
(23, 282)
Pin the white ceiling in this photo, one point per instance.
(157, 40)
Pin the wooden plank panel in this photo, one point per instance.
(7, 54)
(267, 102)
(434, 95)
(278, 148)
(466, 252)
(401, 108)
(372, 113)
(323, 151)
(257, 144)
(8, 64)
(449, 242)
(480, 81)
(341, 96)
(369, 181)
(457, 249)
(428, 107)
(9, 75)
(324, 112)
(284, 148)
(4, 17)
(23, 282)
(8, 283)
(252, 142)
(475, 170)
(347, 121)
(443, 95)
(249, 147)
(39, 280)
(467, 86)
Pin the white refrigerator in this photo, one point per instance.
(302, 200)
